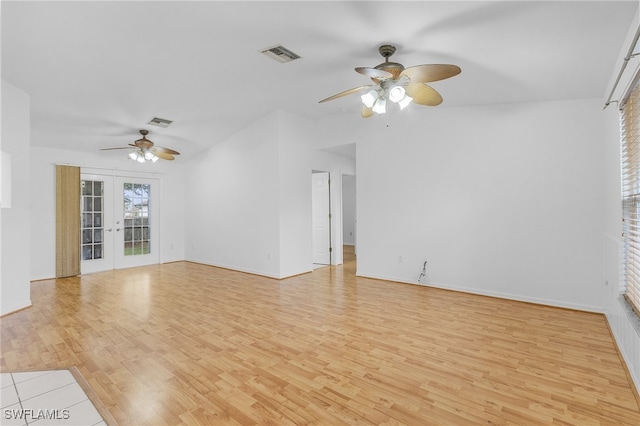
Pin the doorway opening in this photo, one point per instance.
(349, 223)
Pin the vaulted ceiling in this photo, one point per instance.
(96, 72)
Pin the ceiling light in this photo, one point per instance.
(405, 101)
(369, 98)
(393, 80)
(387, 90)
(396, 94)
(142, 156)
(380, 106)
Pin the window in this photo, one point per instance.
(630, 153)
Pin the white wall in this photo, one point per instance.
(501, 200)
(295, 151)
(43, 188)
(16, 241)
(252, 198)
(232, 211)
(349, 209)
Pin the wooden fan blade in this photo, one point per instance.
(345, 93)
(430, 72)
(164, 150)
(121, 147)
(423, 94)
(164, 155)
(374, 73)
(366, 112)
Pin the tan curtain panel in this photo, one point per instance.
(67, 221)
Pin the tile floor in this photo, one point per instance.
(42, 398)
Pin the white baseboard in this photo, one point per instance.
(499, 295)
(13, 309)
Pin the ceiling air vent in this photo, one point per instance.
(160, 122)
(280, 54)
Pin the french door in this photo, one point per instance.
(119, 222)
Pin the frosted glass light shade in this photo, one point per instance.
(369, 98)
(396, 94)
(380, 106)
(405, 101)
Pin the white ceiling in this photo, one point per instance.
(96, 72)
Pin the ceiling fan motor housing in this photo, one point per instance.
(386, 50)
(391, 67)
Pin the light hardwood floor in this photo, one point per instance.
(184, 343)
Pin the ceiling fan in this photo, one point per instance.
(395, 83)
(145, 150)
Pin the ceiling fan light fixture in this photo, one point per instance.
(145, 150)
(369, 98)
(404, 102)
(392, 80)
(396, 94)
(380, 106)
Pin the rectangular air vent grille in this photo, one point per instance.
(280, 54)
(160, 122)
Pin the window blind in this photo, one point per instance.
(630, 162)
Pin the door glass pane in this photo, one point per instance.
(87, 220)
(136, 208)
(91, 207)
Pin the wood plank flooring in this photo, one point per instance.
(187, 344)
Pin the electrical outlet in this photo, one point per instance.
(400, 259)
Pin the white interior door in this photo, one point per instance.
(119, 220)
(321, 218)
